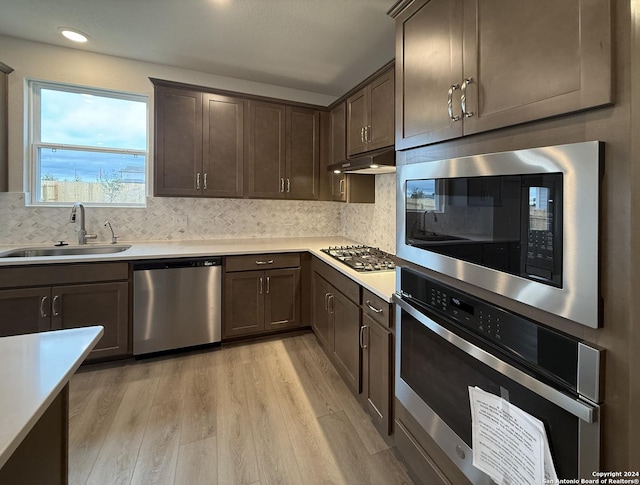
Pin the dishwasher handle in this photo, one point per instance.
(177, 263)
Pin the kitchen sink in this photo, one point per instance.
(62, 251)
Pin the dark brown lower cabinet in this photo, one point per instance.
(257, 302)
(376, 342)
(55, 297)
(346, 328)
(24, 310)
(103, 304)
(336, 320)
(322, 320)
(43, 456)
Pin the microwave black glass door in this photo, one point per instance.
(510, 223)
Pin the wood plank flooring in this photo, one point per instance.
(272, 411)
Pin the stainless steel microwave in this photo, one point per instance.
(523, 224)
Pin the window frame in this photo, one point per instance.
(32, 182)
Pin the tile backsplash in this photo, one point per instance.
(169, 218)
(374, 224)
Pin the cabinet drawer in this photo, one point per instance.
(343, 283)
(262, 261)
(60, 274)
(376, 308)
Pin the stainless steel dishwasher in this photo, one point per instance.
(176, 304)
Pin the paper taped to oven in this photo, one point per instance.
(509, 445)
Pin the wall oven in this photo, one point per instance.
(523, 224)
(447, 340)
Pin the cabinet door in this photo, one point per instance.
(346, 320)
(25, 311)
(266, 151)
(357, 120)
(322, 320)
(282, 298)
(428, 64)
(103, 304)
(178, 142)
(303, 153)
(223, 146)
(339, 133)
(376, 373)
(557, 59)
(243, 303)
(381, 113)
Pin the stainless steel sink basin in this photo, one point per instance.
(62, 251)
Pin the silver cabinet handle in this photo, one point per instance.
(205, 181)
(452, 88)
(367, 134)
(330, 301)
(463, 98)
(268, 284)
(362, 134)
(43, 312)
(361, 337)
(281, 184)
(288, 185)
(326, 301)
(260, 285)
(198, 181)
(372, 308)
(54, 305)
(269, 261)
(342, 186)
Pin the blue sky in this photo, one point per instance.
(91, 121)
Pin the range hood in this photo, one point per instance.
(383, 161)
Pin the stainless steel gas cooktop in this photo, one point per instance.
(362, 258)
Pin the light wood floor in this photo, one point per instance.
(266, 412)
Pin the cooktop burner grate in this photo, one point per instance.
(362, 258)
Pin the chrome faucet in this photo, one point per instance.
(82, 232)
(114, 238)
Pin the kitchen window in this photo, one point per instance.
(88, 145)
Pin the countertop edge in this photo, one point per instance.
(224, 247)
(16, 440)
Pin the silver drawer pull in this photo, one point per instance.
(268, 284)
(205, 181)
(270, 261)
(198, 181)
(261, 283)
(56, 312)
(43, 312)
(372, 308)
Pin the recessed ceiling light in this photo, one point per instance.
(74, 35)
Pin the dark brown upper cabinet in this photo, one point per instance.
(370, 116)
(469, 66)
(282, 151)
(178, 141)
(266, 150)
(199, 144)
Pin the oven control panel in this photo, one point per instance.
(481, 320)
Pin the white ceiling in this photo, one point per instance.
(322, 46)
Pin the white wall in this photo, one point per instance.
(167, 218)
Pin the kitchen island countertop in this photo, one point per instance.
(34, 369)
(380, 283)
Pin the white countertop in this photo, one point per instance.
(33, 370)
(381, 283)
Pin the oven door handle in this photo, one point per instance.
(581, 409)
